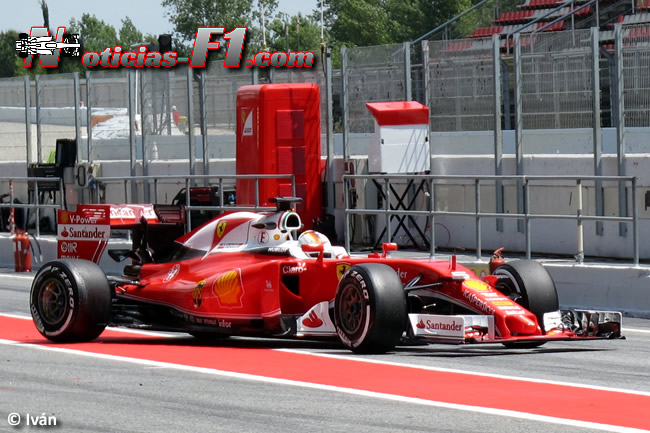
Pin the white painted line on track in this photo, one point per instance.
(124, 330)
(396, 364)
(472, 373)
(361, 393)
(19, 276)
(642, 331)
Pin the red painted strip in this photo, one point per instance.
(582, 404)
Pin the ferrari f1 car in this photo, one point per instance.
(248, 274)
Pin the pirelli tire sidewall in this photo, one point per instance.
(70, 300)
(382, 312)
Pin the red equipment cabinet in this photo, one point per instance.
(278, 132)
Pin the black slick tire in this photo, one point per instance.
(70, 300)
(370, 310)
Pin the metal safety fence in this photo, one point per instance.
(221, 183)
(34, 188)
(397, 209)
(455, 78)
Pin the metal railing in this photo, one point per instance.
(220, 181)
(33, 191)
(523, 182)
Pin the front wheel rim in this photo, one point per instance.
(351, 309)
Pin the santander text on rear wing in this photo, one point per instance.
(84, 233)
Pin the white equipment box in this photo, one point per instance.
(401, 140)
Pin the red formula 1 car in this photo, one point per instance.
(245, 273)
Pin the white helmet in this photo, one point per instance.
(312, 237)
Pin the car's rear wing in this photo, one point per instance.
(84, 233)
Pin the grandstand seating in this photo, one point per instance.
(545, 12)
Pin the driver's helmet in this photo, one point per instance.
(312, 237)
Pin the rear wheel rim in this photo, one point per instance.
(351, 309)
(53, 302)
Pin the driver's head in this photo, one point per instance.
(312, 237)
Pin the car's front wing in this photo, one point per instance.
(561, 325)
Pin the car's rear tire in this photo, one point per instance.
(370, 308)
(70, 300)
(530, 285)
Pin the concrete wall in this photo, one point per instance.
(594, 286)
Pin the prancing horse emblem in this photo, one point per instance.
(221, 228)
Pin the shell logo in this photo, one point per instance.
(65, 217)
(477, 285)
(228, 288)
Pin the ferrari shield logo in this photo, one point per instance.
(197, 293)
(221, 228)
(340, 269)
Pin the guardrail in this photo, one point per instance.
(32, 185)
(522, 181)
(189, 180)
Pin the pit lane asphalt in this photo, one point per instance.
(100, 395)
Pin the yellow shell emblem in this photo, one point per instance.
(228, 288)
(221, 228)
(340, 269)
(476, 285)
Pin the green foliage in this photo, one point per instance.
(294, 33)
(129, 34)
(186, 15)
(95, 33)
(9, 60)
(347, 23)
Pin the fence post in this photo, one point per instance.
(147, 152)
(132, 144)
(408, 95)
(38, 210)
(331, 194)
(527, 220)
(432, 224)
(345, 104)
(204, 126)
(190, 121)
(477, 197)
(389, 234)
(188, 203)
(425, 74)
(620, 127)
(77, 113)
(635, 223)
(346, 202)
(581, 229)
(28, 119)
(498, 133)
(519, 145)
(597, 136)
(89, 119)
(37, 100)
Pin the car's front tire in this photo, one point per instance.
(529, 284)
(370, 308)
(70, 301)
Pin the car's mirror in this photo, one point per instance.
(313, 248)
(388, 246)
